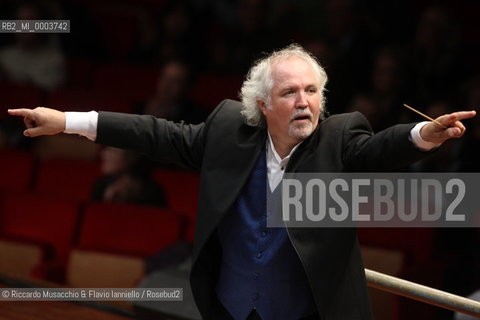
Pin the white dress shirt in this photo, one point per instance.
(276, 165)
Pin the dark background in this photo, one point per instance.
(377, 54)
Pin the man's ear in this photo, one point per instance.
(263, 107)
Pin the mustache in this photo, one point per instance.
(301, 113)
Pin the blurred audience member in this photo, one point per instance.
(233, 44)
(353, 46)
(322, 50)
(251, 35)
(126, 178)
(382, 102)
(436, 62)
(366, 105)
(32, 59)
(84, 40)
(172, 36)
(388, 79)
(170, 100)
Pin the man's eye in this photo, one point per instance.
(312, 90)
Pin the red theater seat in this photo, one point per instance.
(16, 170)
(181, 190)
(20, 259)
(35, 219)
(93, 269)
(67, 178)
(129, 229)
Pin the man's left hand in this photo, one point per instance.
(454, 128)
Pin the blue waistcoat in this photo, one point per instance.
(260, 268)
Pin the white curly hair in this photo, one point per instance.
(259, 82)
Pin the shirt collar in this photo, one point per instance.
(272, 151)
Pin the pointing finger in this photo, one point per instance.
(452, 118)
(461, 115)
(21, 112)
(465, 114)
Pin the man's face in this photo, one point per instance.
(295, 101)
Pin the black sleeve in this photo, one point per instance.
(386, 150)
(165, 141)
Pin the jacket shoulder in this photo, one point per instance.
(226, 118)
(344, 122)
(228, 109)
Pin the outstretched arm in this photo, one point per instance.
(168, 142)
(41, 121)
(391, 148)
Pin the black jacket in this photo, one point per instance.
(225, 149)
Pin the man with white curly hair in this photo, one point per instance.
(260, 91)
(243, 269)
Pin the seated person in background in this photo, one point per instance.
(126, 178)
(32, 59)
(170, 99)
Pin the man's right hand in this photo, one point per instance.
(41, 121)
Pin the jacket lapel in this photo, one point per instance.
(224, 178)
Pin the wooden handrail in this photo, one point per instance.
(422, 293)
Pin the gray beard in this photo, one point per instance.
(300, 132)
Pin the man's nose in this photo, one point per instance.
(301, 100)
